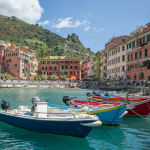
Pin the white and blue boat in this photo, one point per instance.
(108, 114)
(39, 119)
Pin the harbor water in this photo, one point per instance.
(134, 133)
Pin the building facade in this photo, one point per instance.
(89, 68)
(116, 58)
(138, 54)
(60, 65)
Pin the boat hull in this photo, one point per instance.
(111, 116)
(139, 109)
(71, 128)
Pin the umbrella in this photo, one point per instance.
(73, 78)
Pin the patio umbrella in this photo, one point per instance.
(73, 78)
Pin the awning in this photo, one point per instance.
(134, 74)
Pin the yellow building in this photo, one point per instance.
(101, 64)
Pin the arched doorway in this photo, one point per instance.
(141, 75)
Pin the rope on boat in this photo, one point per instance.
(137, 113)
(148, 105)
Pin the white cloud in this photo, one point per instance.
(96, 31)
(67, 23)
(27, 10)
(44, 23)
(94, 28)
(58, 30)
(86, 28)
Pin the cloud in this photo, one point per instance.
(67, 23)
(94, 28)
(96, 31)
(44, 23)
(27, 10)
(58, 30)
(86, 28)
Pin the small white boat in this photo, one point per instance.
(39, 119)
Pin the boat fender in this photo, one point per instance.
(123, 114)
(93, 124)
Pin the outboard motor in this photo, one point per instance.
(88, 94)
(67, 100)
(34, 100)
(97, 94)
(106, 94)
(5, 104)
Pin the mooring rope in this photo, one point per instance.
(137, 113)
(109, 134)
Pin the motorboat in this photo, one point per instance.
(108, 114)
(37, 118)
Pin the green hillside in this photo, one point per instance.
(44, 42)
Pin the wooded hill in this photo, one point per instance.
(44, 42)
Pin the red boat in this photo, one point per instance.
(137, 109)
(118, 98)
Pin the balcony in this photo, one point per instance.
(129, 50)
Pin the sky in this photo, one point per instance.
(94, 21)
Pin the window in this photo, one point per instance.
(12, 54)
(122, 48)
(112, 52)
(50, 62)
(42, 68)
(66, 67)
(22, 70)
(128, 57)
(123, 40)
(140, 41)
(76, 62)
(70, 72)
(122, 68)
(135, 65)
(118, 49)
(145, 52)
(50, 68)
(123, 57)
(50, 73)
(62, 67)
(135, 55)
(55, 62)
(140, 54)
(131, 56)
(8, 54)
(128, 68)
(116, 60)
(15, 65)
(108, 54)
(119, 59)
(71, 62)
(76, 67)
(55, 68)
(70, 67)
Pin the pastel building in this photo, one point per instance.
(138, 54)
(116, 51)
(60, 65)
(17, 61)
(89, 68)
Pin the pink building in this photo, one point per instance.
(88, 68)
(116, 58)
(17, 61)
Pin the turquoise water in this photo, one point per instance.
(134, 133)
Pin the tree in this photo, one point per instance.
(54, 77)
(63, 77)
